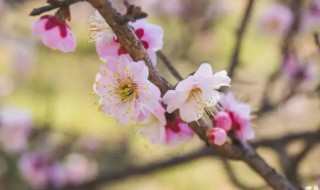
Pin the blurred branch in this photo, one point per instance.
(133, 13)
(58, 4)
(108, 176)
(317, 40)
(232, 176)
(169, 65)
(240, 33)
(266, 105)
(114, 176)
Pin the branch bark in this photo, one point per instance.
(40, 10)
(240, 33)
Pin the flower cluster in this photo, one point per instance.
(233, 117)
(127, 95)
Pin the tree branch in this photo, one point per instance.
(59, 4)
(240, 33)
(169, 65)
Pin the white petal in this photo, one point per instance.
(220, 79)
(191, 111)
(204, 71)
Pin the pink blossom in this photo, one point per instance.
(276, 20)
(108, 45)
(177, 131)
(16, 125)
(79, 169)
(217, 136)
(311, 17)
(125, 91)
(57, 175)
(299, 73)
(240, 115)
(55, 33)
(223, 120)
(197, 93)
(153, 126)
(34, 168)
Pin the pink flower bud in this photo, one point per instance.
(217, 136)
(223, 121)
(55, 33)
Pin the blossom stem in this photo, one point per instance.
(240, 33)
(59, 4)
(169, 65)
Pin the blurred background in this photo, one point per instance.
(46, 96)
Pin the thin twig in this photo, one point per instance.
(169, 65)
(240, 34)
(40, 10)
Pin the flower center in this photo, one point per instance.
(194, 94)
(127, 90)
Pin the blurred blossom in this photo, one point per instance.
(239, 113)
(6, 86)
(297, 73)
(55, 33)
(34, 168)
(79, 168)
(173, 7)
(90, 142)
(178, 131)
(15, 128)
(276, 20)
(311, 17)
(57, 175)
(23, 59)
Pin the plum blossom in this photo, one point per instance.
(222, 120)
(34, 168)
(239, 114)
(125, 91)
(108, 45)
(177, 131)
(16, 125)
(217, 136)
(55, 33)
(304, 74)
(276, 20)
(79, 169)
(311, 17)
(153, 127)
(196, 94)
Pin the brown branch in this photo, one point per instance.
(114, 176)
(296, 5)
(240, 34)
(169, 65)
(134, 47)
(58, 4)
(232, 176)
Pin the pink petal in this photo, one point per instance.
(217, 136)
(223, 121)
